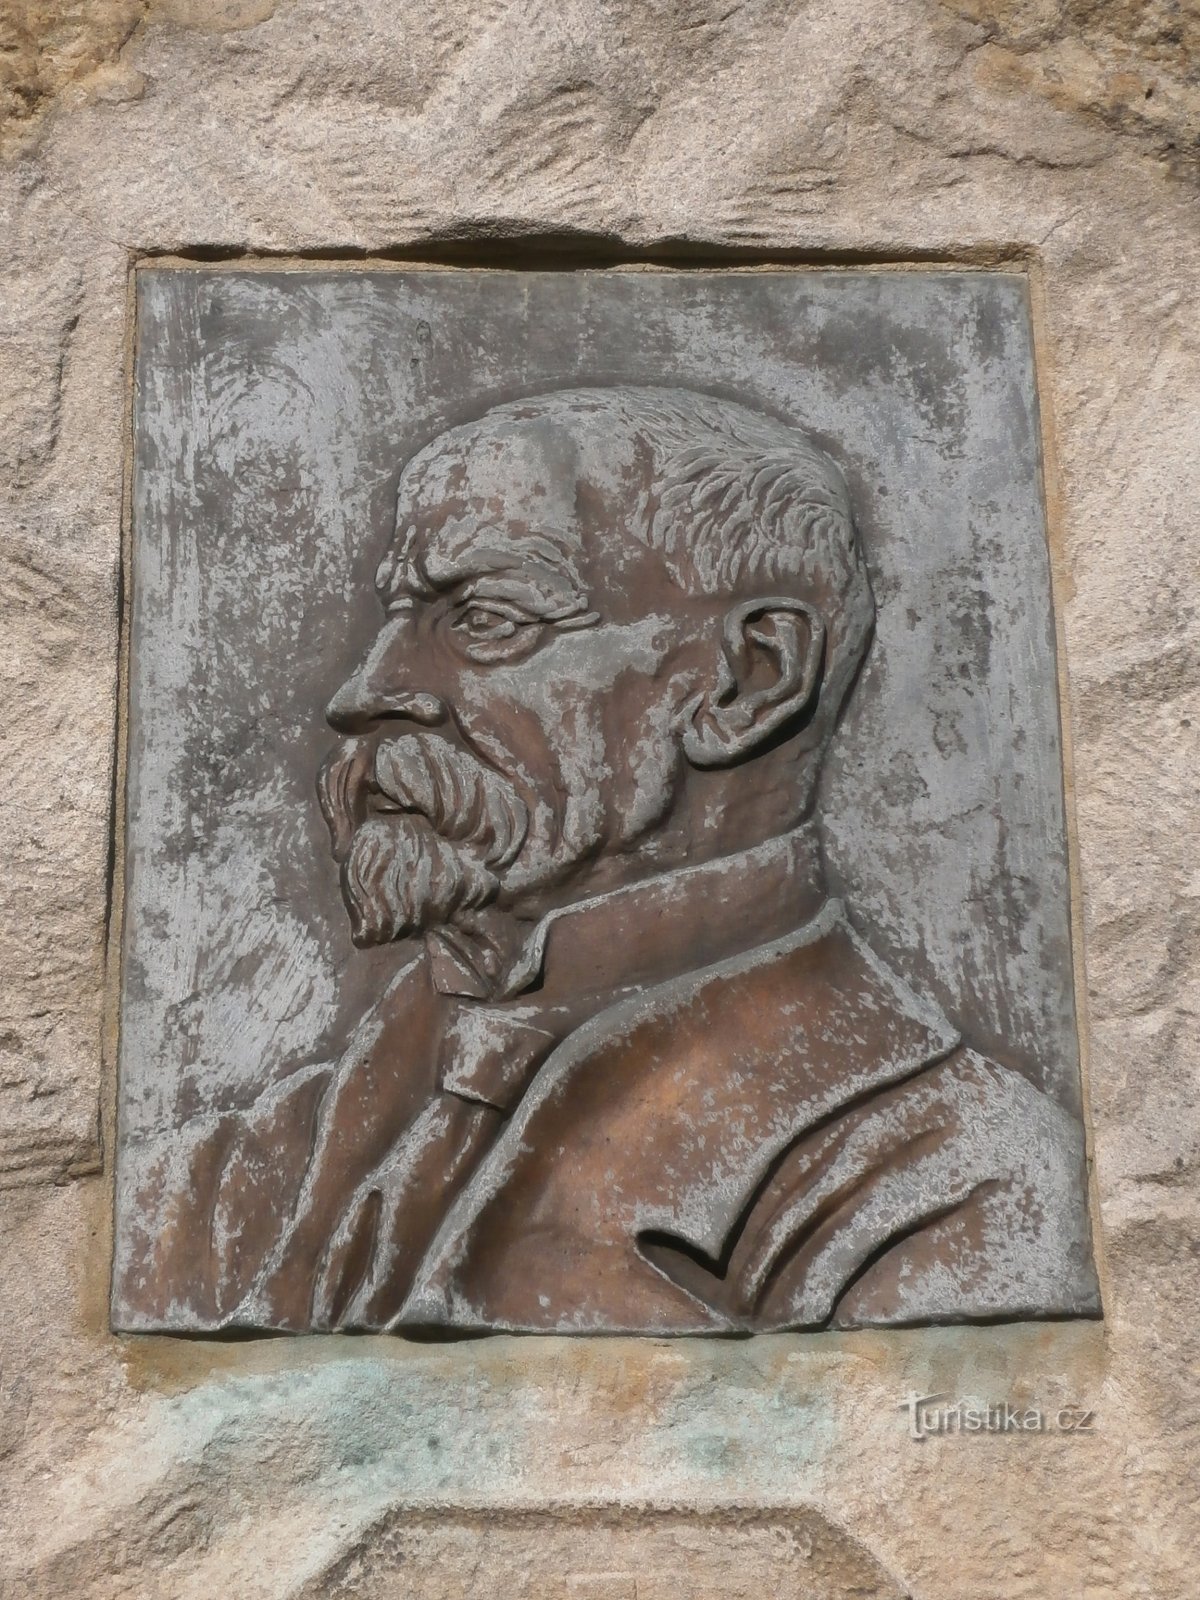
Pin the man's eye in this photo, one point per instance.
(480, 622)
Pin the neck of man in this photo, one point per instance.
(713, 815)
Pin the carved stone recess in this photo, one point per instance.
(688, 948)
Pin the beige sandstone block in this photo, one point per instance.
(836, 130)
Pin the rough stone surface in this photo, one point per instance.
(1133, 65)
(848, 129)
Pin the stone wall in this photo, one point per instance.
(1055, 136)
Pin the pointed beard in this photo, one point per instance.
(399, 878)
(449, 828)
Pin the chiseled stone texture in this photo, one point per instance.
(1059, 134)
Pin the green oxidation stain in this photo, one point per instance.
(652, 1418)
(761, 1419)
(397, 1431)
(421, 1432)
(747, 1443)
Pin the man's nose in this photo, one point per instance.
(377, 690)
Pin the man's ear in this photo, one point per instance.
(768, 673)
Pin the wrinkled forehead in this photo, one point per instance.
(483, 499)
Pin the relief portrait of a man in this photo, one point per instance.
(636, 1071)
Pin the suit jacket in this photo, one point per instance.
(694, 1116)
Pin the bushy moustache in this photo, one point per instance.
(422, 832)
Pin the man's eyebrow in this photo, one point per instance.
(535, 567)
(494, 575)
(531, 589)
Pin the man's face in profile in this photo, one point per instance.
(514, 727)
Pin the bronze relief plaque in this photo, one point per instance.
(595, 853)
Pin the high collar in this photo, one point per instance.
(674, 922)
(601, 950)
(653, 930)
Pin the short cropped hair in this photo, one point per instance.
(737, 502)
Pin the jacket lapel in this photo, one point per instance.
(678, 1104)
